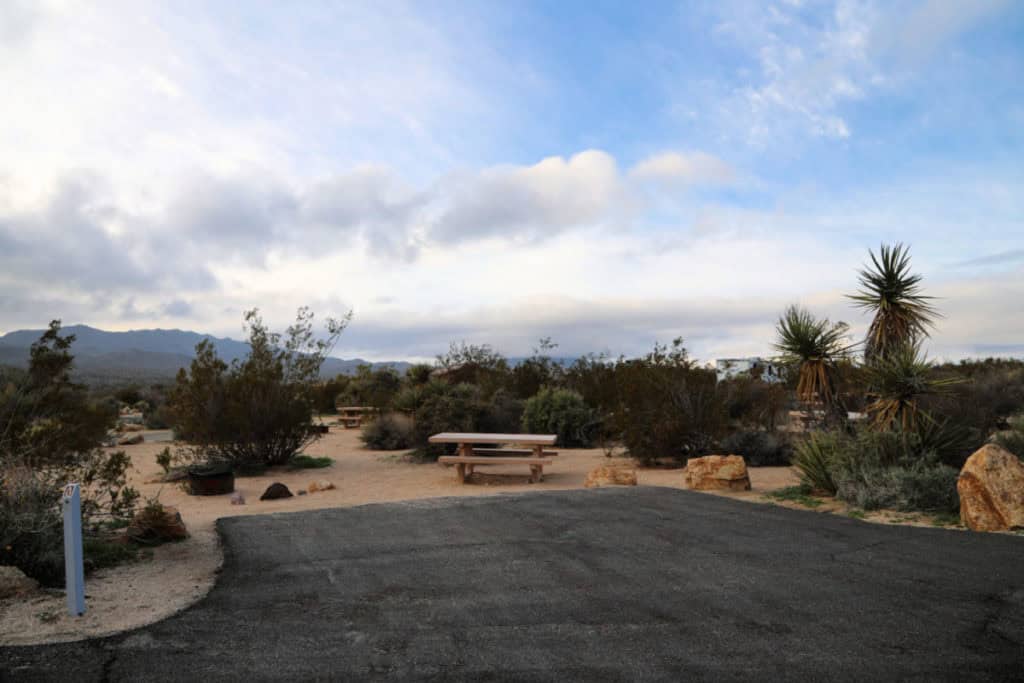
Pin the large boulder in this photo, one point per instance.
(13, 582)
(717, 473)
(275, 491)
(991, 488)
(607, 475)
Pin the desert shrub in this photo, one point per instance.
(878, 469)
(388, 432)
(594, 378)
(754, 403)
(444, 407)
(481, 366)
(309, 462)
(325, 394)
(1012, 439)
(668, 407)
(158, 417)
(502, 413)
(814, 457)
(258, 411)
(540, 370)
(165, 459)
(52, 436)
(370, 387)
(561, 412)
(759, 449)
(923, 486)
(419, 373)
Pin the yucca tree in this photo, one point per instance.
(816, 347)
(896, 384)
(902, 315)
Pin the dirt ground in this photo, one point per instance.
(179, 574)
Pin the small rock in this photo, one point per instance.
(607, 475)
(130, 439)
(14, 582)
(237, 498)
(302, 492)
(275, 491)
(717, 473)
(991, 488)
(320, 485)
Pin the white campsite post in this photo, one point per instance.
(74, 571)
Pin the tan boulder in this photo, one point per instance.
(321, 485)
(608, 475)
(991, 488)
(717, 473)
(13, 582)
(130, 439)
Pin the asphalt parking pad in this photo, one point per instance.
(609, 584)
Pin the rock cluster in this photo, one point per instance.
(320, 485)
(608, 475)
(717, 473)
(991, 488)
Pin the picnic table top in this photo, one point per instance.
(472, 437)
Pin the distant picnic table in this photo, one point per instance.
(476, 449)
(352, 416)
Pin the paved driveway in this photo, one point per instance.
(612, 584)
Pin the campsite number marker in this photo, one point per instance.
(74, 573)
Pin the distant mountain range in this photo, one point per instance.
(145, 355)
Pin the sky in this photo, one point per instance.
(605, 174)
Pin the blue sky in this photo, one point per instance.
(605, 174)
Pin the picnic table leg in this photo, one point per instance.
(536, 473)
(460, 470)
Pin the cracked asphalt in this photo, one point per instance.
(606, 585)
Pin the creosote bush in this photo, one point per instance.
(52, 435)
(759, 449)
(562, 412)
(388, 432)
(258, 411)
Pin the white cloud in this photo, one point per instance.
(693, 168)
(531, 202)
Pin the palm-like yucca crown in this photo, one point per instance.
(902, 314)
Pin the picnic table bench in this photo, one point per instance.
(352, 416)
(472, 453)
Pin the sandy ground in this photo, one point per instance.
(179, 574)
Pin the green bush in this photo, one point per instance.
(52, 434)
(924, 487)
(309, 462)
(874, 470)
(257, 412)
(388, 432)
(445, 407)
(1012, 439)
(502, 414)
(759, 449)
(561, 412)
(667, 408)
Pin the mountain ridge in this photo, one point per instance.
(148, 353)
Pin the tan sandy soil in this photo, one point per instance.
(178, 574)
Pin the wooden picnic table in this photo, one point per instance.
(472, 451)
(352, 416)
